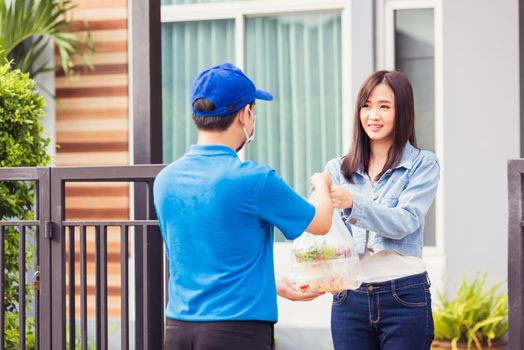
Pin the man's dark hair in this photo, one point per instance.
(212, 123)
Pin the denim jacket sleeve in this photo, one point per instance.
(398, 221)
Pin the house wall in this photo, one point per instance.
(481, 131)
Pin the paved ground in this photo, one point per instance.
(305, 339)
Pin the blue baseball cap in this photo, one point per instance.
(227, 87)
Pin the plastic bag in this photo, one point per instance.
(326, 263)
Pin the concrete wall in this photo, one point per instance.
(481, 116)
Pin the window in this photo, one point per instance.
(297, 58)
(292, 49)
(415, 56)
(411, 48)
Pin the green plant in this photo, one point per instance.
(78, 337)
(78, 340)
(21, 144)
(475, 315)
(39, 21)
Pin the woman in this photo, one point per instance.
(385, 185)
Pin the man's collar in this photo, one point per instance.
(211, 150)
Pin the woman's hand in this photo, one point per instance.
(285, 290)
(341, 197)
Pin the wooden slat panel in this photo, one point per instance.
(116, 125)
(98, 70)
(110, 46)
(97, 14)
(97, 213)
(111, 24)
(107, 36)
(93, 147)
(98, 192)
(93, 81)
(92, 129)
(92, 91)
(104, 46)
(96, 4)
(86, 103)
(100, 202)
(92, 136)
(86, 159)
(100, 113)
(101, 58)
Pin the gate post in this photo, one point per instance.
(44, 321)
(58, 290)
(146, 70)
(515, 254)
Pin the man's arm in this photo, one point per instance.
(321, 200)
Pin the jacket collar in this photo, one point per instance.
(406, 161)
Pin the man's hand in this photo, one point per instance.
(341, 197)
(285, 290)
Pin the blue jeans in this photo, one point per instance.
(392, 315)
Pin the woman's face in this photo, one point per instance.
(377, 115)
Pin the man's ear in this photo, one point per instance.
(243, 113)
(239, 117)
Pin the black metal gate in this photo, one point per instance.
(55, 323)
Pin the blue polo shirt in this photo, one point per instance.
(217, 214)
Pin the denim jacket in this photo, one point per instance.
(391, 215)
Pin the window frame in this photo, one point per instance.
(386, 59)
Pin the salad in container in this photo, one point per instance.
(326, 263)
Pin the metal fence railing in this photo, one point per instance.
(19, 228)
(61, 252)
(37, 179)
(77, 230)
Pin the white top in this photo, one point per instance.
(388, 265)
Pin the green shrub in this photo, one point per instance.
(22, 144)
(475, 315)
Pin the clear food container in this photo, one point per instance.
(326, 263)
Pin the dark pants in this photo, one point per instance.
(393, 315)
(227, 335)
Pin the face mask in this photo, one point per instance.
(248, 138)
(252, 137)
